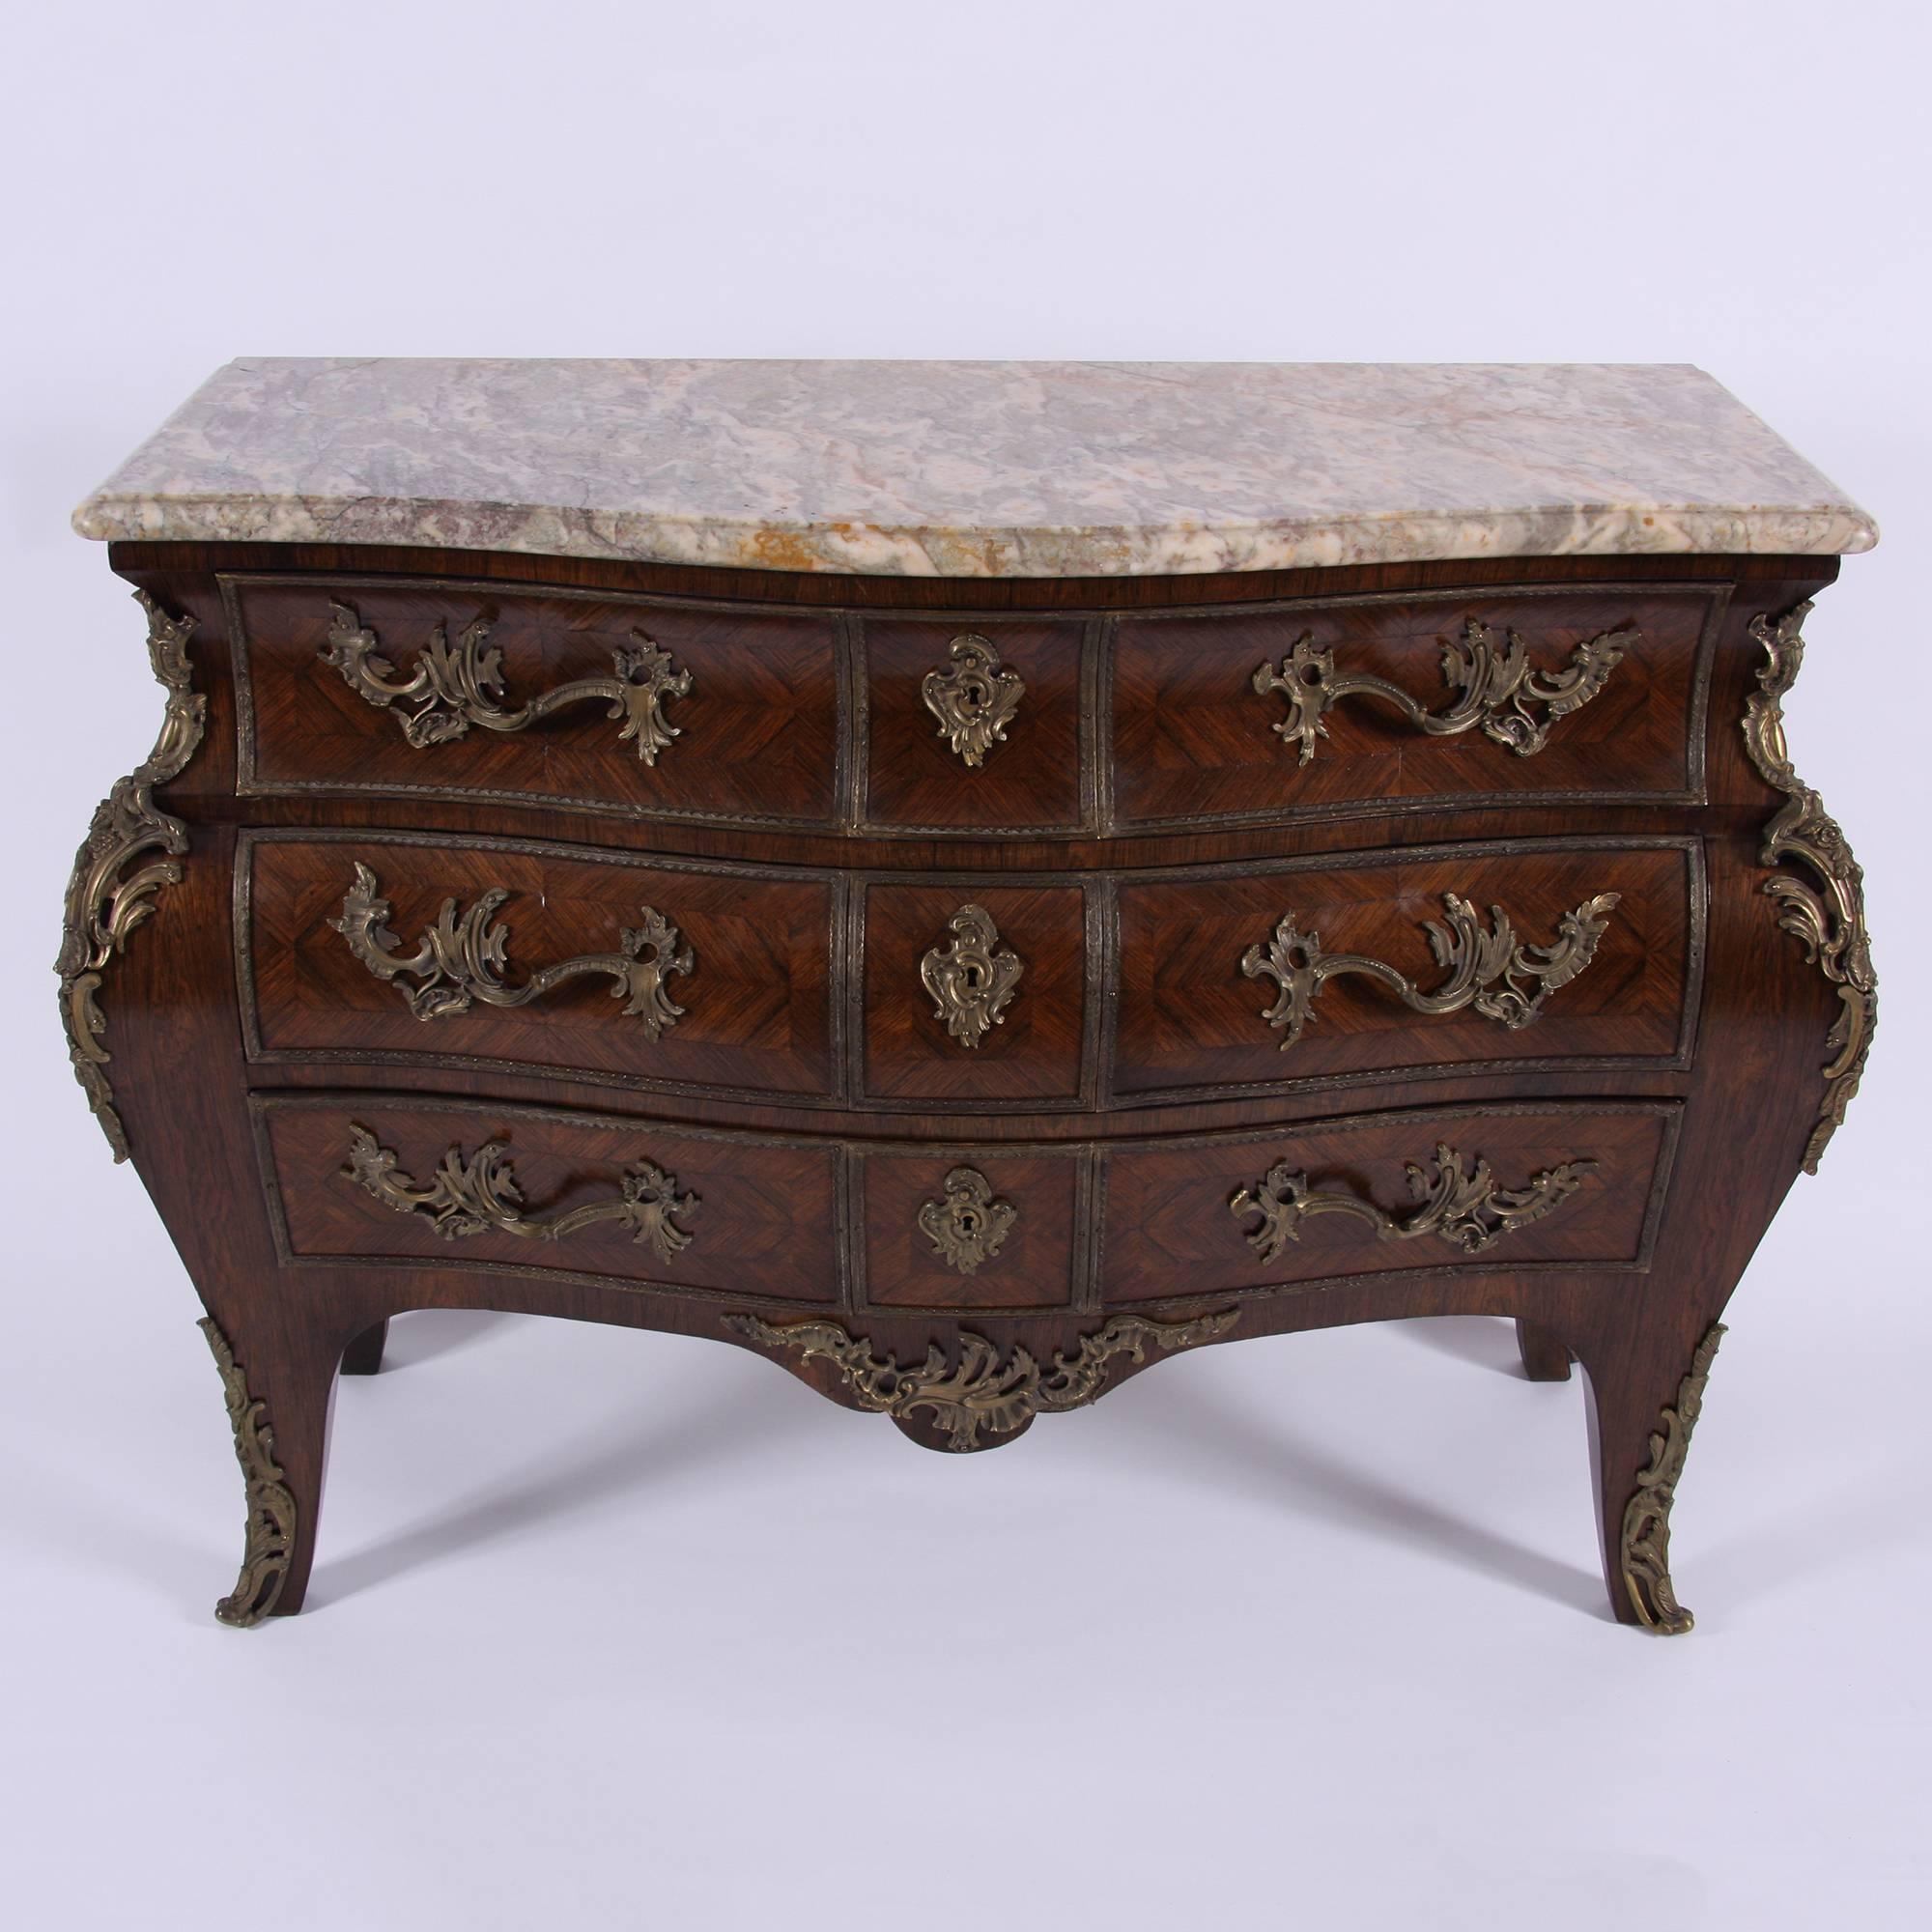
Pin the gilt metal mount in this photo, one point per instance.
(459, 960)
(270, 1537)
(972, 979)
(479, 1195)
(967, 1225)
(980, 1392)
(975, 701)
(1828, 923)
(105, 902)
(1500, 691)
(455, 685)
(1646, 1528)
(1468, 1211)
(1502, 979)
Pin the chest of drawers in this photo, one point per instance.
(1059, 867)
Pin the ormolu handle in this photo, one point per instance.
(456, 686)
(480, 1196)
(456, 959)
(1490, 971)
(1501, 692)
(1468, 1211)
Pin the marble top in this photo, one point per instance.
(975, 468)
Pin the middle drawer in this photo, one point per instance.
(530, 958)
(931, 994)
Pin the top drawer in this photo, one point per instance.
(970, 726)
(586, 700)
(1454, 699)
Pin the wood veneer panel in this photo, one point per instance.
(1032, 780)
(1748, 1104)
(759, 736)
(1189, 1021)
(764, 1226)
(1036, 1054)
(1194, 742)
(1060, 595)
(1038, 1262)
(1170, 1232)
(758, 1006)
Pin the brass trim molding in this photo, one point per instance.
(967, 1225)
(973, 979)
(269, 1544)
(1501, 692)
(457, 960)
(1468, 1211)
(982, 1391)
(103, 907)
(455, 685)
(975, 701)
(1646, 1531)
(479, 1195)
(1830, 926)
(1486, 969)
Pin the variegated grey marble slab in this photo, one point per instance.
(977, 468)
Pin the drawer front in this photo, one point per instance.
(971, 1229)
(600, 703)
(1558, 955)
(977, 993)
(372, 947)
(974, 726)
(1371, 702)
(398, 1180)
(384, 1179)
(971, 726)
(679, 976)
(1569, 1185)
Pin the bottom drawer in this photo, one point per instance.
(1532, 1185)
(983, 1228)
(387, 1178)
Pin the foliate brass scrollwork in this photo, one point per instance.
(1830, 925)
(269, 1545)
(1501, 692)
(1468, 1211)
(1646, 1531)
(1501, 979)
(455, 685)
(102, 906)
(975, 701)
(970, 981)
(967, 1225)
(458, 960)
(980, 1391)
(480, 1196)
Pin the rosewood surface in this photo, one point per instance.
(1601, 1172)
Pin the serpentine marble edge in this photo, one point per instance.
(975, 468)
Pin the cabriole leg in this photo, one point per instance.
(1546, 1355)
(278, 1405)
(363, 1356)
(1641, 1424)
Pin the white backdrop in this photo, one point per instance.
(625, 1629)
